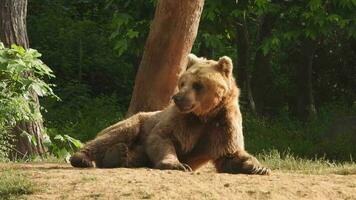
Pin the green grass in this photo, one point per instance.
(14, 184)
(287, 162)
(48, 158)
(311, 139)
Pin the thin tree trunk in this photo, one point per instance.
(305, 98)
(13, 31)
(244, 76)
(262, 79)
(172, 34)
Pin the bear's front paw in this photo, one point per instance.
(174, 166)
(81, 160)
(252, 166)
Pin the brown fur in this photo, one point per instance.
(204, 124)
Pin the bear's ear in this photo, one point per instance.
(192, 59)
(225, 66)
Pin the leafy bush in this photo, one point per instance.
(61, 146)
(81, 116)
(22, 73)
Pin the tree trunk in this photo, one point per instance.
(13, 22)
(262, 79)
(305, 99)
(171, 37)
(13, 31)
(243, 75)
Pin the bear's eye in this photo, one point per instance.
(181, 84)
(197, 86)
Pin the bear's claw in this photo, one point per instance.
(186, 167)
(175, 166)
(261, 170)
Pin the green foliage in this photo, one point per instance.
(22, 73)
(314, 20)
(62, 146)
(286, 135)
(130, 27)
(82, 116)
(74, 38)
(95, 47)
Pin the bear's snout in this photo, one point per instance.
(178, 99)
(182, 102)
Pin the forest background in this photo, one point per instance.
(295, 62)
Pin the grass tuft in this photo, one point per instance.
(288, 162)
(14, 184)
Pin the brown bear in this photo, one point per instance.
(202, 124)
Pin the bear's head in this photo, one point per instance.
(204, 85)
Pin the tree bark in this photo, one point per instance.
(13, 31)
(172, 34)
(13, 22)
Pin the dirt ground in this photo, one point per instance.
(61, 181)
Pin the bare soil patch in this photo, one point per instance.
(61, 181)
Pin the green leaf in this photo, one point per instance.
(121, 19)
(132, 34)
(33, 140)
(314, 4)
(18, 49)
(63, 153)
(75, 142)
(47, 140)
(353, 2)
(38, 89)
(34, 53)
(121, 46)
(310, 34)
(59, 137)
